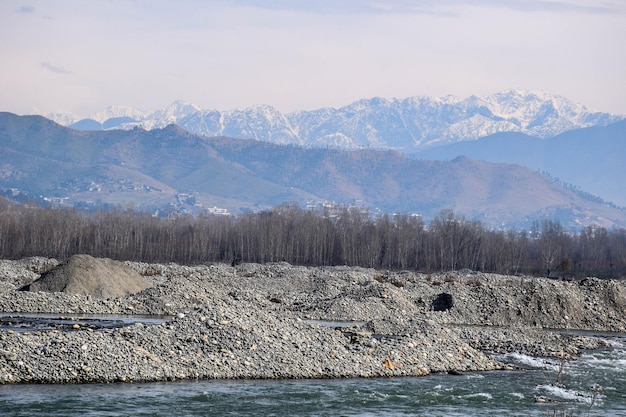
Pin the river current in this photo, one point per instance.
(593, 385)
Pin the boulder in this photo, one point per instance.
(443, 302)
(97, 277)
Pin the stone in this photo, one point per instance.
(443, 302)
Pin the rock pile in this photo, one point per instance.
(83, 274)
(283, 321)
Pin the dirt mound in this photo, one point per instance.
(83, 274)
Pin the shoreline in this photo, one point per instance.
(250, 322)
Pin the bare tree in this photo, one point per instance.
(288, 233)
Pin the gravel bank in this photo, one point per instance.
(261, 321)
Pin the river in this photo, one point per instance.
(593, 385)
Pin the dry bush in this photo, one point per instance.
(386, 279)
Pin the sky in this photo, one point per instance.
(77, 56)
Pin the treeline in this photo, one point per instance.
(312, 238)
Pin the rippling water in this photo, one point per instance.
(594, 385)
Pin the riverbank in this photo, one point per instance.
(258, 321)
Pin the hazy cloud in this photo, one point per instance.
(427, 6)
(548, 6)
(306, 54)
(25, 9)
(55, 68)
(344, 6)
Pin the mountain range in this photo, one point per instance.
(407, 125)
(171, 169)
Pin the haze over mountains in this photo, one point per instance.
(408, 125)
(170, 169)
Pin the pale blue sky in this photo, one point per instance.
(82, 56)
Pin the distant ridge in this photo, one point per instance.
(593, 158)
(408, 125)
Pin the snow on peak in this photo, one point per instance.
(113, 112)
(171, 114)
(263, 110)
(176, 110)
(64, 119)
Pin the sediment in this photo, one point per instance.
(283, 321)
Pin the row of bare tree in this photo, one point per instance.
(304, 237)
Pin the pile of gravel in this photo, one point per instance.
(83, 274)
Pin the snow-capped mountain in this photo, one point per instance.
(116, 112)
(263, 123)
(169, 115)
(406, 124)
(64, 119)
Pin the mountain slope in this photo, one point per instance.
(135, 167)
(166, 167)
(494, 193)
(593, 159)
